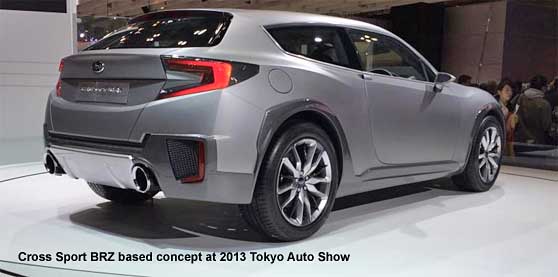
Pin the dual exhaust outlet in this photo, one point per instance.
(143, 178)
(52, 166)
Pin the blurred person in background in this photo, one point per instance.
(484, 86)
(504, 94)
(464, 80)
(490, 87)
(517, 91)
(551, 96)
(534, 113)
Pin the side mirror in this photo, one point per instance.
(441, 79)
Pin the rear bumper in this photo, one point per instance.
(97, 167)
(110, 163)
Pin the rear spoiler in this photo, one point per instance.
(159, 15)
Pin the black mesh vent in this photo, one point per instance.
(183, 155)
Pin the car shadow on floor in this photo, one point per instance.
(174, 223)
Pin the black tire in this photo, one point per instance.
(264, 213)
(249, 218)
(470, 179)
(121, 196)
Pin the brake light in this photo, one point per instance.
(59, 83)
(202, 75)
(61, 66)
(59, 88)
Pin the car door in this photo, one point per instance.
(329, 75)
(410, 123)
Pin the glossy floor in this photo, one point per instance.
(415, 230)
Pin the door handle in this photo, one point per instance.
(366, 76)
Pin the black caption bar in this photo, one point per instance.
(56, 6)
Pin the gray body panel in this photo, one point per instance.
(391, 130)
(422, 117)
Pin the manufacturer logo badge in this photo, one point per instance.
(98, 67)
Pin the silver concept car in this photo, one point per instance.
(278, 112)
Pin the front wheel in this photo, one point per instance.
(296, 186)
(485, 158)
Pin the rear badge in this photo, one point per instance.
(98, 67)
(103, 92)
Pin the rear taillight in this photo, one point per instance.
(189, 76)
(59, 83)
(59, 88)
(61, 66)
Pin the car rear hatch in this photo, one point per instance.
(102, 92)
(105, 104)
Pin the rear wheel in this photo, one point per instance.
(485, 158)
(121, 196)
(296, 186)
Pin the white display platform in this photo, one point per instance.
(412, 230)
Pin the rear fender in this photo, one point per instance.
(276, 116)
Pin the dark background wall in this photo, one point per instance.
(421, 25)
(531, 40)
(488, 40)
(464, 39)
(473, 41)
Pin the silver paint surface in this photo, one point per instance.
(393, 130)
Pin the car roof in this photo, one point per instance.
(273, 17)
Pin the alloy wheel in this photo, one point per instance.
(490, 151)
(304, 182)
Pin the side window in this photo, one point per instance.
(319, 43)
(429, 73)
(385, 55)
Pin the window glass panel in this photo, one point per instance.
(384, 55)
(167, 33)
(429, 73)
(319, 43)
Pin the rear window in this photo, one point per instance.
(202, 31)
(319, 43)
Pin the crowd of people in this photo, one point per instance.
(530, 109)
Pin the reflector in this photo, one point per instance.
(59, 83)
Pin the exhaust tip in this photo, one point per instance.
(143, 179)
(50, 164)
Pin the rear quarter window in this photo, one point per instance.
(316, 42)
(202, 31)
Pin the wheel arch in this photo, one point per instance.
(277, 118)
(491, 109)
